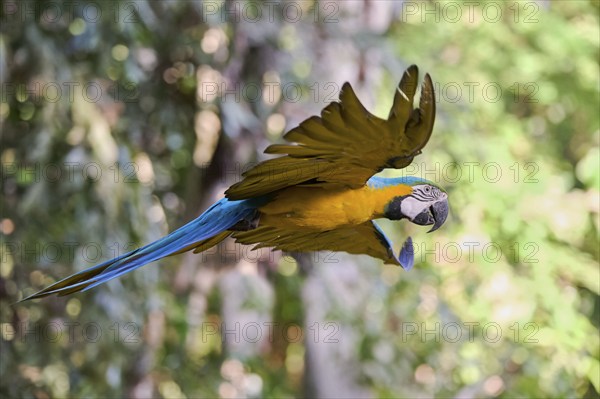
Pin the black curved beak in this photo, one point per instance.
(434, 215)
(440, 213)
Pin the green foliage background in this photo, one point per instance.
(516, 143)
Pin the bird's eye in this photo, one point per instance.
(427, 189)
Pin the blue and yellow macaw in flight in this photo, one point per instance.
(320, 194)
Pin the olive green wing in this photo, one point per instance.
(364, 239)
(347, 144)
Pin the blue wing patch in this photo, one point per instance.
(407, 254)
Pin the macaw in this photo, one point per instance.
(320, 194)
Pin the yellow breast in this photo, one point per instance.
(325, 209)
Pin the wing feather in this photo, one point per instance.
(346, 144)
(366, 238)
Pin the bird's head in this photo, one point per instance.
(426, 205)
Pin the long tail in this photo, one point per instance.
(202, 233)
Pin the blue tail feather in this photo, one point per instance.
(220, 217)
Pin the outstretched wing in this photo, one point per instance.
(364, 239)
(347, 144)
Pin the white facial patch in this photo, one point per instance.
(411, 207)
